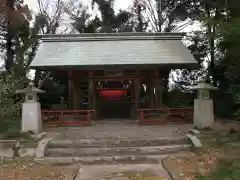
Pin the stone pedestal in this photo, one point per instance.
(31, 117)
(31, 109)
(203, 106)
(203, 113)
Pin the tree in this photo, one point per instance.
(229, 64)
(109, 22)
(48, 21)
(14, 13)
(169, 15)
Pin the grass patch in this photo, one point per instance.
(220, 140)
(11, 130)
(226, 170)
(16, 135)
(7, 125)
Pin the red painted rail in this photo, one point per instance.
(67, 117)
(164, 115)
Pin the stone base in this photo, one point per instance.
(203, 113)
(31, 117)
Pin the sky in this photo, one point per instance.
(121, 4)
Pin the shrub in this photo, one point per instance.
(10, 103)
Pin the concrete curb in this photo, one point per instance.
(72, 175)
(195, 141)
(75, 174)
(41, 147)
(172, 177)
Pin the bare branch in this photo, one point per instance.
(152, 14)
(181, 27)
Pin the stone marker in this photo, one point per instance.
(203, 105)
(31, 109)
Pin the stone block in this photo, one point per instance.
(203, 113)
(31, 117)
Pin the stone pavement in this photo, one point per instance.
(125, 132)
(123, 172)
(119, 130)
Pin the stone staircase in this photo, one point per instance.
(112, 151)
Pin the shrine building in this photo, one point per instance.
(111, 69)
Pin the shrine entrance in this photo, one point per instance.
(114, 99)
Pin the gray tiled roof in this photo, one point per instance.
(112, 49)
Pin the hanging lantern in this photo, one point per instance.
(112, 93)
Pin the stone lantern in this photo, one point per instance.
(31, 109)
(203, 105)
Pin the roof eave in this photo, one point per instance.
(110, 36)
(140, 66)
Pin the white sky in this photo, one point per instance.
(120, 4)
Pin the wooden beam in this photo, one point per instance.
(108, 78)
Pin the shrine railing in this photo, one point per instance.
(67, 117)
(165, 115)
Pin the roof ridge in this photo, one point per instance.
(108, 38)
(111, 36)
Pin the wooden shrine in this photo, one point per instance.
(112, 69)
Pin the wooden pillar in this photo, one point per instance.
(70, 89)
(158, 90)
(90, 90)
(132, 99)
(137, 84)
(137, 93)
(37, 78)
(77, 96)
(94, 100)
(147, 96)
(165, 78)
(151, 93)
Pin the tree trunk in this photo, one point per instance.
(211, 39)
(159, 14)
(9, 36)
(37, 78)
(140, 21)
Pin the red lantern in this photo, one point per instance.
(112, 93)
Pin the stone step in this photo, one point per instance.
(117, 142)
(93, 160)
(103, 151)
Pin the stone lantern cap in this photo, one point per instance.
(202, 85)
(30, 89)
(30, 93)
